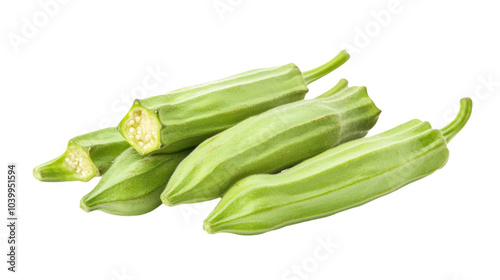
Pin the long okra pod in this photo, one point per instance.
(186, 117)
(86, 156)
(272, 141)
(338, 179)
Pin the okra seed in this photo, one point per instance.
(78, 162)
(131, 130)
(137, 137)
(140, 143)
(138, 119)
(131, 122)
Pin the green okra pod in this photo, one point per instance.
(133, 184)
(86, 156)
(186, 117)
(339, 179)
(272, 141)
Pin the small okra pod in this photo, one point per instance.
(186, 117)
(271, 142)
(133, 184)
(86, 156)
(339, 179)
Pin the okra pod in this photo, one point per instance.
(133, 184)
(186, 117)
(339, 179)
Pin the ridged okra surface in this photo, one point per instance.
(270, 142)
(339, 179)
(186, 117)
(133, 184)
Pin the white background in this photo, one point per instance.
(81, 69)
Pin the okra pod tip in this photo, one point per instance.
(84, 207)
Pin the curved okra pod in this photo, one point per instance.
(87, 156)
(338, 179)
(272, 141)
(186, 117)
(133, 184)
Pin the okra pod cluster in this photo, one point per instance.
(274, 158)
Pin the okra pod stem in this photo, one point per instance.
(319, 72)
(341, 85)
(452, 129)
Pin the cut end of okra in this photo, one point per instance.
(141, 128)
(74, 165)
